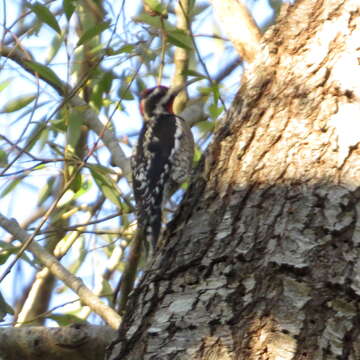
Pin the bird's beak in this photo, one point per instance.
(174, 91)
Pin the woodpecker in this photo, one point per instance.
(162, 158)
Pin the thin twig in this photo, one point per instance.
(163, 49)
(199, 55)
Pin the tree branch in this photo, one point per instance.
(239, 26)
(73, 282)
(75, 342)
(181, 56)
(90, 117)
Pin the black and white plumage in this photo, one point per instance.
(162, 158)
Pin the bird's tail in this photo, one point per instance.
(152, 228)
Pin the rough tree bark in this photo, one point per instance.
(262, 260)
(75, 342)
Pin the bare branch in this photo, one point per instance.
(181, 56)
(75, 342)
(73, 282)
(239, 26)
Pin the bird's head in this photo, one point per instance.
(160, 99)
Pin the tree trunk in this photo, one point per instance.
(262, 261)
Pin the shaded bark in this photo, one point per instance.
(262, 260)
(75, 342)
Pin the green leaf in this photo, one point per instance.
(194, 73)
(85, 186)
(155, 22)
(205, 126)
(73, 133)
(140, 84)
(216, 92)
(66, 319)
(127, 48)
(58, 125)
(180, 38)
(45, 15)
(9, 249)
(125, 93)
(102, 169)
(215, 111)
(43, 139)
(92, 32)
(75, 122)
(206, 91)
(103, 86)
(106, 81)
(3, 158)
(197, 154)
(5, 308)
(55, 46)
(4, 84)
(69, 8)
(46, 190)
(17, 103)
(106, 184)
(10, 187)
(151, 20)
(97, 96)
(157, 7)
(45, 72)
(107, 289)
(191, 4)
(6, 250)
(35, 135)
(76, 183)
(176, 36)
